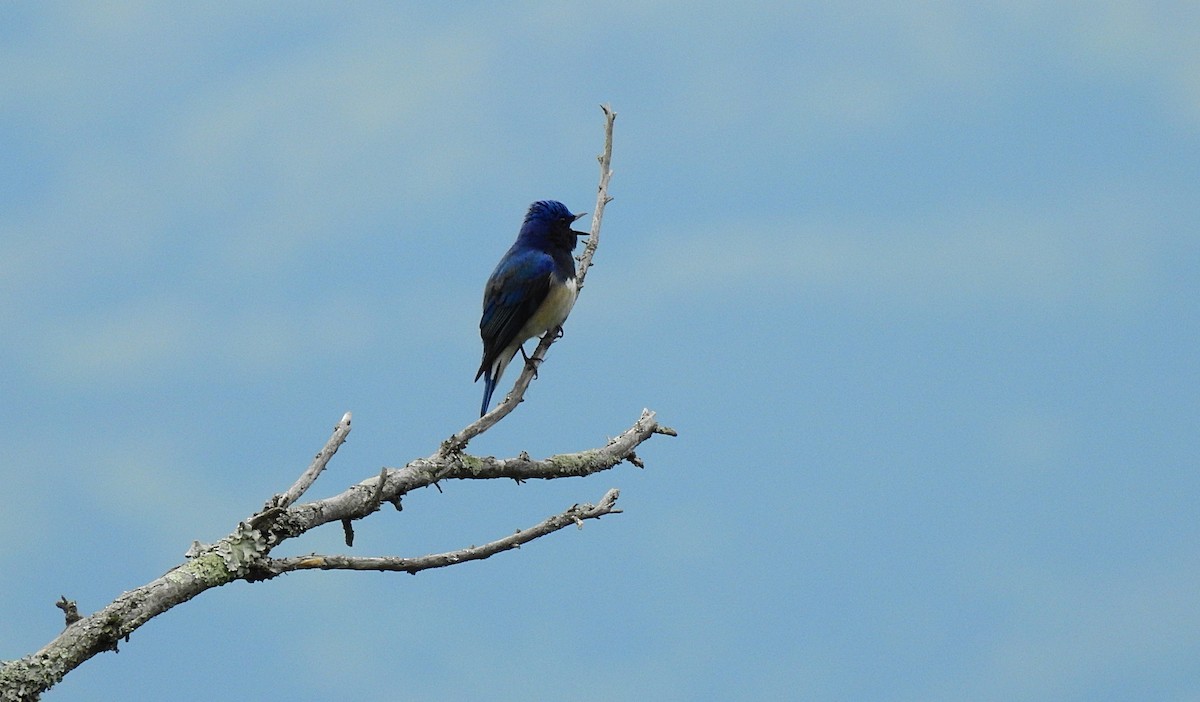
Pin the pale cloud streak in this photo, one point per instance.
(1080, 254)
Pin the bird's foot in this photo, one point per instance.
(532, 363)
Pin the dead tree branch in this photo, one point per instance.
(574, 515)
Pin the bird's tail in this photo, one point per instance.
(491, 373)
(489, 386)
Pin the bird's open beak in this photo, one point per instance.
(577, 218)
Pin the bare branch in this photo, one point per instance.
(602, 198)
(574, 515)
(359, 501)
(244, 553)
(309, 476)
(26, 678)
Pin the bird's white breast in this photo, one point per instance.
(553, 311)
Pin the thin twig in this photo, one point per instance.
(602, 197)
(575, 515)
(70, 609)
(309, 476)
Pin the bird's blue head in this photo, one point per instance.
(550, 211)
(550, 221)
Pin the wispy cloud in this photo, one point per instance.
(146, 339)
(1089, 252)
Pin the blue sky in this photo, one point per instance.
(916, 283)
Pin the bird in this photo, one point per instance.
(531, 292)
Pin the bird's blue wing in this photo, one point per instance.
(513, 294)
